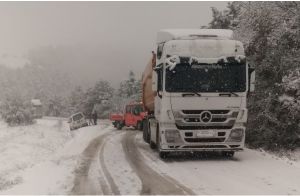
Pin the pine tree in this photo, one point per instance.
(130, 88)
(270, 32)
(226, 19)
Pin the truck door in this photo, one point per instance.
(135, 114)
(128, 115)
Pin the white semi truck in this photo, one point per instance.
(195, 91)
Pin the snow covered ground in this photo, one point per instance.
(22, 147)
(46, 158)
(249, 172)
(40, 158)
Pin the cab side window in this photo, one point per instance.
(160, 79)
(135, 110)
(128, 109)
(132, 109)
(159, 50)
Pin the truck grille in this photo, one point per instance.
(202, 127)
(212, 120)
(204, 139)
(206, 146)
(200, 111)
(191, 119)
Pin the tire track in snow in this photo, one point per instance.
(113, 185)
(152, 182)
(84, 183)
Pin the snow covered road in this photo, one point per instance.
(103, 160)
(126, 165)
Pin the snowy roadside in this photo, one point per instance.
(289, 157)
(27, 151)
(249, 172)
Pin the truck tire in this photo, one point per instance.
(119, 125)
(163, 154)
(139, 126)
(227, 154)
(152, 145)
(145, 131)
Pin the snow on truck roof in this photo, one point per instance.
(171, 34)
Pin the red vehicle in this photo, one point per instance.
(132, 117)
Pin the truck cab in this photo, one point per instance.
(131, 117)
(200, 80)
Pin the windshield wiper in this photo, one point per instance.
(193, 92)
(229, 93)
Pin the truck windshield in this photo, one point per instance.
(138, 109)
(206, 78)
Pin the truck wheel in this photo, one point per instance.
(145, 131)
(163, 154)
(152, 145)
(227, 154)
(139, 126)
(119, 126)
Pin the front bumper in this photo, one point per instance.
(201, 148)
(189, 141)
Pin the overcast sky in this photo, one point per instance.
(124, 31)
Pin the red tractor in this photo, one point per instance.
(132, 116)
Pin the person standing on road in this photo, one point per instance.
(95, 117)
(90, 119)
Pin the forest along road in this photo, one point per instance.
(120, 162)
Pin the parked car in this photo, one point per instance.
(77, 121)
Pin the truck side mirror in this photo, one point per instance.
(251, 73)
(154, 81)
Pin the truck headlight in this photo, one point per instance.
(170, 115)
(176, 114)
(172, 136)
(236, 135)
(242, 116)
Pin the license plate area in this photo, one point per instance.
(206, 133)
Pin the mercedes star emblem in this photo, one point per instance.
(205, 116)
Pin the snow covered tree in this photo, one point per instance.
(34, 82)
(55, 106)
(94, 97)
(16, 111)
(270, 32)
(226, 19)
(130, 88)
